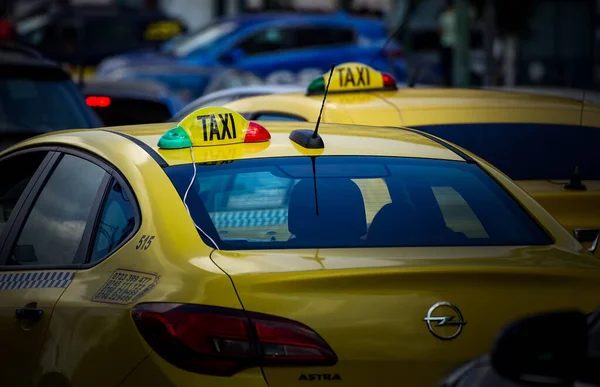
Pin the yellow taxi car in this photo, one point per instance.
(548, 145)
(228, 252)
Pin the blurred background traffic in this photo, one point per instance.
(141, 61)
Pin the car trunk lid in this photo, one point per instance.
(576, 210)
(371, 305)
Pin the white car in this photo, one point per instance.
(222, 97)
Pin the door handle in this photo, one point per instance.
(30, 314)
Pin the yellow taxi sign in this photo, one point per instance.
(210, 126)
(352, 77)
(162, 30)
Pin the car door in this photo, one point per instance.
(42, 249)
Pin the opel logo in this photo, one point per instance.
(433, 321)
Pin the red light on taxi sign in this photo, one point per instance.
(388, 81)
(96, 101)
(256, 133)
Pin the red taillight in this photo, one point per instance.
(95, 101)
(222, 341)
(394, 53)
(256, 133)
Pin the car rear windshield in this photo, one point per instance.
(529, 151)
(277, 203)
(36, 100)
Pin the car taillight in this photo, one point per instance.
(222, 341)
(96, 101)
(394, 53)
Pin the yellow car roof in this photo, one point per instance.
(339, 140)
(413, 107)
(359, 94)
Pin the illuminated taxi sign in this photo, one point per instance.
(352, 77)
(212, 126)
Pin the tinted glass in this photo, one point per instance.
(529, 151)
(54, 227)
(278, 117)
(306, 37)
(204, 39)
(362, 202)
(116, 224)
(34, 105)
(269, 40)
(15, 174)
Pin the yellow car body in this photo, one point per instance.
(97, 320)
(448, 112)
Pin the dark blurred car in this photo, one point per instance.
(37, 96)
(130, 102)
(83, 35)
(548, 349)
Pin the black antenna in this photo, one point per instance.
(307, 138)
(389, 39)
(582, 107)
(414, 77)
(316, 132)
(310, 139)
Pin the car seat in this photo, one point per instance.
(341, 218)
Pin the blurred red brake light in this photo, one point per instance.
(96, 101)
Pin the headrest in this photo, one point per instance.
(341, 210)
(404, 224)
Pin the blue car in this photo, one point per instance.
(278, 48)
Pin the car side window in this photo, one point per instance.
(53, 229)
(116, 224)
(277, 117)
(307, 37)
(15, 174)
(268, 40)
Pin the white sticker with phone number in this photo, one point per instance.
(125, 286)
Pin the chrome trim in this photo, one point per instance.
(594, 246)
(444, 321)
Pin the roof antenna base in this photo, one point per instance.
(575, 184)
(305, 138)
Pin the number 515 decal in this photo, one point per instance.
(144, 242)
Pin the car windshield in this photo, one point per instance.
(529, 151)
(362, 202)
(202, 39)
(34, 106)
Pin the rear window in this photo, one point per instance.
(36, 100)
(361, 201)
(529, 151)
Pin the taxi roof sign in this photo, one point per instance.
(352, 77)
(210, 126)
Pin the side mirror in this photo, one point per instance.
(233, 56)
(588, 235)
(546, 349)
